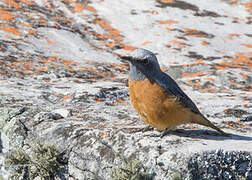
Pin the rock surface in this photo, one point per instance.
(62, 83)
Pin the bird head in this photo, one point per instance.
(143, 64)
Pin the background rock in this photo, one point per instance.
(62, 83)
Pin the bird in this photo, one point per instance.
(157, 98)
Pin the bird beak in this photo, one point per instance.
(127, 58)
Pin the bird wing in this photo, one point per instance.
(172, 88)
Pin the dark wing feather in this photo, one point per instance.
(172, 88)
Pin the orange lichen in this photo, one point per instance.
(176, 42)
(153, 12)
(237, 20)
(220, 67)
(230, 36)
(6, 16)
(234, 83)
(26, 25)
(180, 44)
(200, 73)
(13, 3)
(27, 71)
(114, 32)
(167, 1)
(129, 48)
(230, 64)
(43, 60)
(191, 32)
(248, 6)
(209, 79)
(50, 42)
(204, 90)
(230, 126)
(204, 43)
(90, 8)
(78, 7)
(146, 42)
(170, 29)
(200, 61)
(245, 76)
(104, 24)
(53, 58)
(98, 100)
(242, 59)
(168, 45)
(70, 69)
(67, 62)
(122, 66)
(66, 97)
(243, 126)
(31, 32)
(211, 89)
(28, 65)
(10, 29)
(110, 45)
(120, 100)
(247, 45)
(169, 21)
(42, 21)
(41, 70)
(7, 36)
(27, 2)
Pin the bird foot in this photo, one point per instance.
(168, 131)
(160, 135)
(164, 133)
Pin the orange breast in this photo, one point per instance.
(156, 107)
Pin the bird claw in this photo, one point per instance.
(160, 135)
(164, 133)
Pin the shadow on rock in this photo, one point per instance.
(1, 144)
(208, 134)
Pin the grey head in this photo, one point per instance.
(143, 64)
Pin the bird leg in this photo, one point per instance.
(164, 133)
(160, 135)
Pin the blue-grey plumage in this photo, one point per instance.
(144, 65)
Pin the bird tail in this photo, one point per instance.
(200, 119)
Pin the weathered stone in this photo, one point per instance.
(62, 83)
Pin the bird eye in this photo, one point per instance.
(145, 61)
